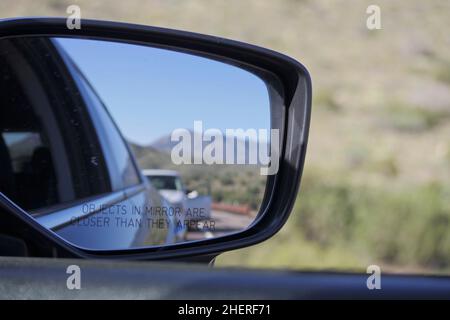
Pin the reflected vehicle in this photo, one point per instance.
(169, 185)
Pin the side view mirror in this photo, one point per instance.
(101, 128)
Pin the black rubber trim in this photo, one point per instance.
(31, 278)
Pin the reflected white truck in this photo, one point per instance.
(170, 186)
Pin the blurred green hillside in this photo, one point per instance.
(376, 187)
(227, 184)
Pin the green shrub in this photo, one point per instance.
(442, 71)
(325, 98)
(407, 118)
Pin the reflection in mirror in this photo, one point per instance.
(74, 110)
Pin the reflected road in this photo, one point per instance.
(224, 223)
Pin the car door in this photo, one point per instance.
(125, 220)
(70, 166)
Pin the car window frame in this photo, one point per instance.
(49, 90)
(83, 84)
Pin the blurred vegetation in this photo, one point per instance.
(403, 117)
(377, 174)
(348, 226)
(398, 226)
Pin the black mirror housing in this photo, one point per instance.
(291, 92)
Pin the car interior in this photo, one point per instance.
(47, 143)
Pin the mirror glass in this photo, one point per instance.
(114, 145)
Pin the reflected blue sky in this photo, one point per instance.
(150, 92)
